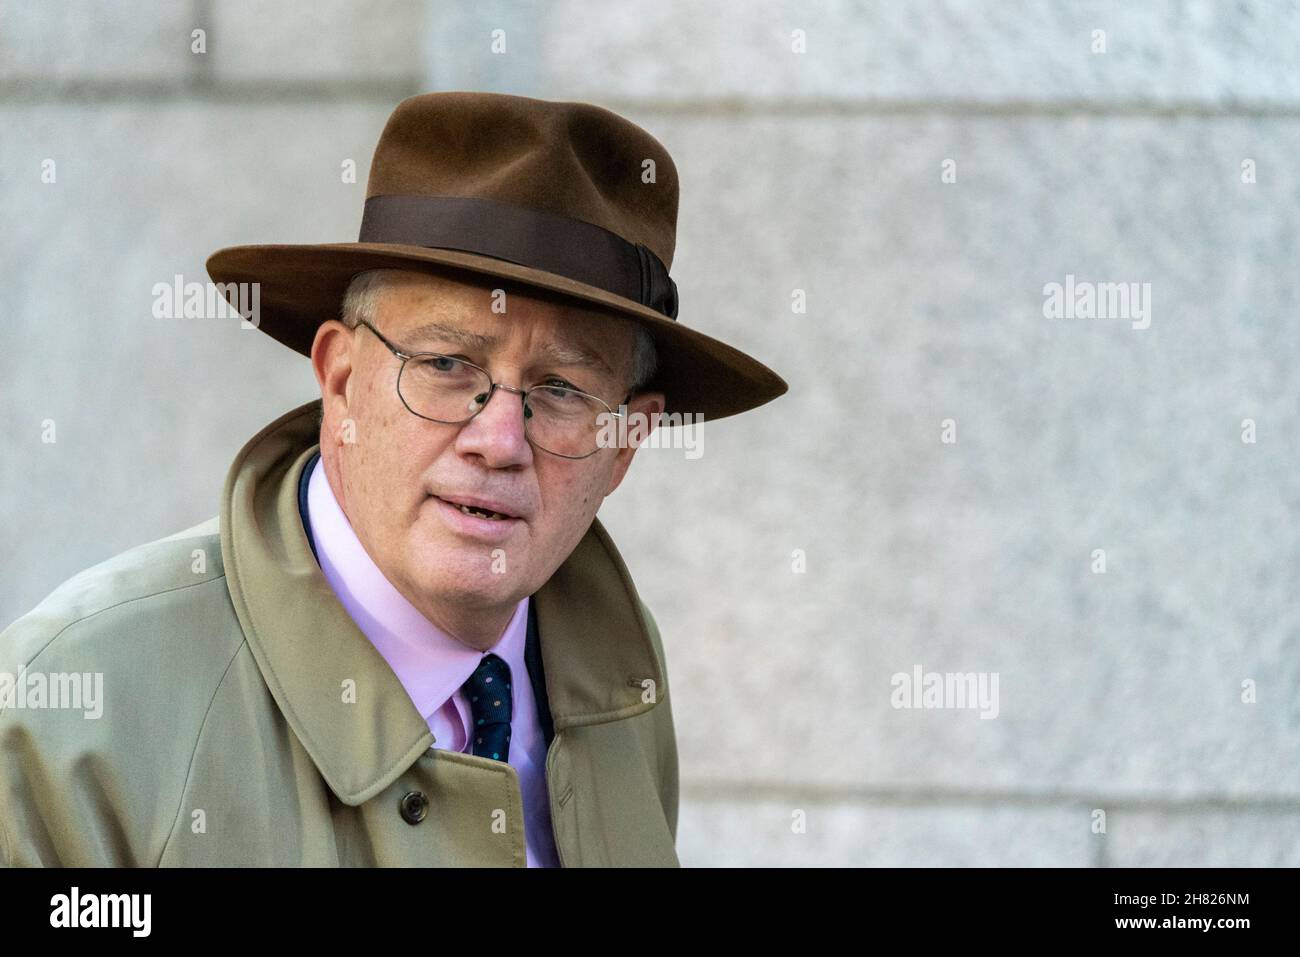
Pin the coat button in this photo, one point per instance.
(414, 807)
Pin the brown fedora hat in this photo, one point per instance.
(567, 198)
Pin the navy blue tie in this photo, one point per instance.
(488, 691)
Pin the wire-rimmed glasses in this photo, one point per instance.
(557, 419)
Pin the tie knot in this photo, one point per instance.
(488, 691)
(490, 679)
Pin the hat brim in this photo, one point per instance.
(300, 286)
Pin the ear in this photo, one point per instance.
(642, 418)
(331, 361)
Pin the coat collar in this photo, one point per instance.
(337, 693)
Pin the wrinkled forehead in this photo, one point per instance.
(422, 309)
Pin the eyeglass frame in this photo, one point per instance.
(492, 388)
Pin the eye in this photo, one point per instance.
(444, 370)
(559, 383)
(447, 361)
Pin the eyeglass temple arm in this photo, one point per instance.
(384, 339)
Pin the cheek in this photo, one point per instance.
(391, 458)
(570, 495)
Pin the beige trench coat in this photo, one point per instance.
(247, 721)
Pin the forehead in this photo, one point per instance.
(423, 308)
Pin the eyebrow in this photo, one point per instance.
(562, 353)
(437, 330)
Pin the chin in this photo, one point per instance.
(472, 593)
(463, 573)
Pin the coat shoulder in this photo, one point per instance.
(664, 735)
(652, 627)
(103, 689)
(114, 603)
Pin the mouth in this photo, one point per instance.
(476, 508)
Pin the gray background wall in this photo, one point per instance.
(818, 171)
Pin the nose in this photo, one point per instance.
(496, 434)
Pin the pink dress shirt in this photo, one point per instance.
(431, 664)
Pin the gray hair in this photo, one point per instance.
(362, 300)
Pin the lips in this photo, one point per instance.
(481, 507)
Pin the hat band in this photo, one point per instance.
(573, 248)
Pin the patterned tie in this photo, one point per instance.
(488, 690)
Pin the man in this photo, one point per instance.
(405, 639)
